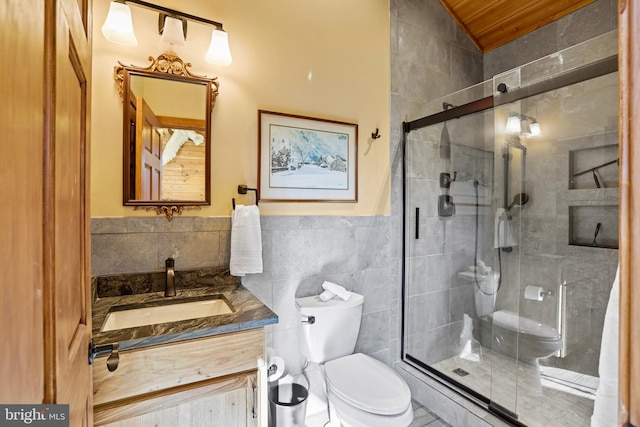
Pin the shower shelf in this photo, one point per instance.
(593, 167)
(594, 225)
(592, 196)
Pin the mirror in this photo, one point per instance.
(166, 135)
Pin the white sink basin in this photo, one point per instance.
(152, 315)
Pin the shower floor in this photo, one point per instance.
(517, 387)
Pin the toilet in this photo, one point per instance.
(362, 391)
(509, 333)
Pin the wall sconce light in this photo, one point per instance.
(520, 124)
(535, 129)
(218, 52)
(174, 30)
(118, 27)
(172, 24)
(513, 125)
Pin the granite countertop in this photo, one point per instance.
(113, 291)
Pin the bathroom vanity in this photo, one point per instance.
(200, 371)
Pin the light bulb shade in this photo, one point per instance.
(118, 27)
(173, 32)
(219, 53)
(513, 125)
(535, 130)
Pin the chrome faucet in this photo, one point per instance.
(170, 287)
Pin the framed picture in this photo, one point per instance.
(305, 159)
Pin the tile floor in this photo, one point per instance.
(422, 417)
(513, 384)
(517, 387)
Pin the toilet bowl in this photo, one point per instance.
(507, 332)
(519, 337)
(367, 393)
(362, 391)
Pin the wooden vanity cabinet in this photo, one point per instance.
(211, 381)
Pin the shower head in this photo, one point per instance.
(520, 199)
(445, 143)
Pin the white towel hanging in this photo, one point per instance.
(503, 235)
(246, 241)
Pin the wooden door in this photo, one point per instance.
(21, 187)
(45, 308)
(148, 151)
(629, 60)
(67, 256)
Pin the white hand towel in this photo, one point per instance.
(503, 236)
(246, 241)
(337, 289)
(327, 295)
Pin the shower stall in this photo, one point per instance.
(511, 233)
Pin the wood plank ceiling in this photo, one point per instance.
(492, 23)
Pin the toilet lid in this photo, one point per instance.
(368, 384)
(509, 320)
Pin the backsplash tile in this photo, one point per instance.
(299, 254)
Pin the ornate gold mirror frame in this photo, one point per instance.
(165, 67)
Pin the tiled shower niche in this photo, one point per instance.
(594, 226)
(594, 167)
(593, 192)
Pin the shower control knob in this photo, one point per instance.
(502, 88)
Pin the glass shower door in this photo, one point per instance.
(510, 238)
(558, 277)
(451, 267)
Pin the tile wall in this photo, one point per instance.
(299, 253)
(432, 57)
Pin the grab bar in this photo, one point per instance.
(562, 319)
(562, 316)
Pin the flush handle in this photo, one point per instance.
(310, 320)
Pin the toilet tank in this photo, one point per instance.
(485, 290)
(335, 326)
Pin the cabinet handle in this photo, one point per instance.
(254, 410)
(111, 349)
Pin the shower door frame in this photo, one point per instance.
(586, 72)
(504, 96)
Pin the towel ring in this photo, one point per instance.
(243, 189)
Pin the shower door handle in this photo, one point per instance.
(417, 223)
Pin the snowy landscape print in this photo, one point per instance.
(305, 158)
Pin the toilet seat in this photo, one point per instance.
(511, 321)
(367, 384)
(351, 416)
